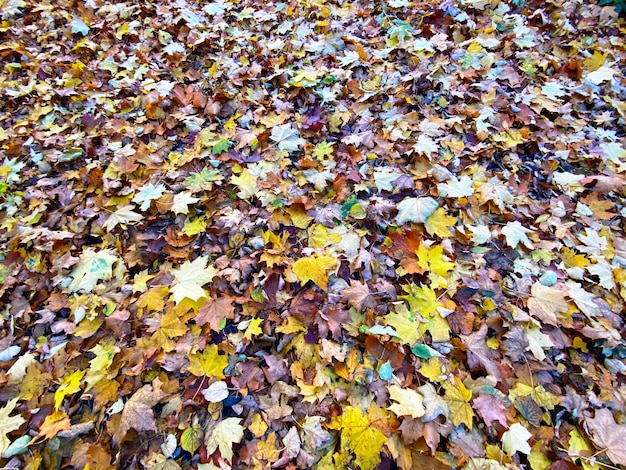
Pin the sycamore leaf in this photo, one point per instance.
(546, 303)
(314, 268)
(607, 435)
(456, 187)
(516, 440)
(358, 295)
(409, 402)
(8, 423)
(138, 413)
(416, 209)
(182, 201)
(124, 215)
(224, 435)
(247, 184)
(515, 233)
(208, 362)
(189, 279)
(147, 194)
(287, 138)
(439, 223)
(92, 267)
(583, 299)
(359, 437)
(457, 397)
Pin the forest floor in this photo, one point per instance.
(312, 234)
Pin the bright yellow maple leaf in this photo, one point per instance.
(319, 236)
(254, 328)
(314, 268)
(208, 362)
(457, 397)
(405, 323)
(69, 386)
(359, 437)
(439, 223)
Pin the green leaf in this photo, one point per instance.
(191, 439)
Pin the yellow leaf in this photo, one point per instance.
(409, 402)
(319, 236)
(54, 423)
(458, 396)
(171, 325)
(209, 363)
(359, 437)
(433, 369)
(194, 227)
(574, 260)
(405, 323)
(139, 281)
(154, 299)
(69, 386)
(439, 223)
(594, 62)
(191, 439)
(432, 259)
(314, 268)
(579, 446)
(299, 217)
(247, 184)
(293, 325)
(254, 328)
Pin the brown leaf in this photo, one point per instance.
(214, 310)
(607, 435)
(137, 413)
(358, 295)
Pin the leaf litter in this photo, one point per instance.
(312, 234)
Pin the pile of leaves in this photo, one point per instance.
(325, 234)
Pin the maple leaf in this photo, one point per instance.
(124, 215)
(69, 385)
(516, 440)
(247, 184)
(358, 295)
(189, 279)
(92, 267)
(360, 437)
(458, 396)
(490, 409)
(314, 268)
(208, 362)
(182, 201)
(54, 423)
(547, 303)
(439, 223)
(147, 194)
(415, 209)
(137, 412)
(287, 138)
(409, 402)
(224, 435)
(456, 187)
(515, 233)
(608, 435)
(8, 423)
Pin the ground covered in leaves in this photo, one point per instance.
(312, 234)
